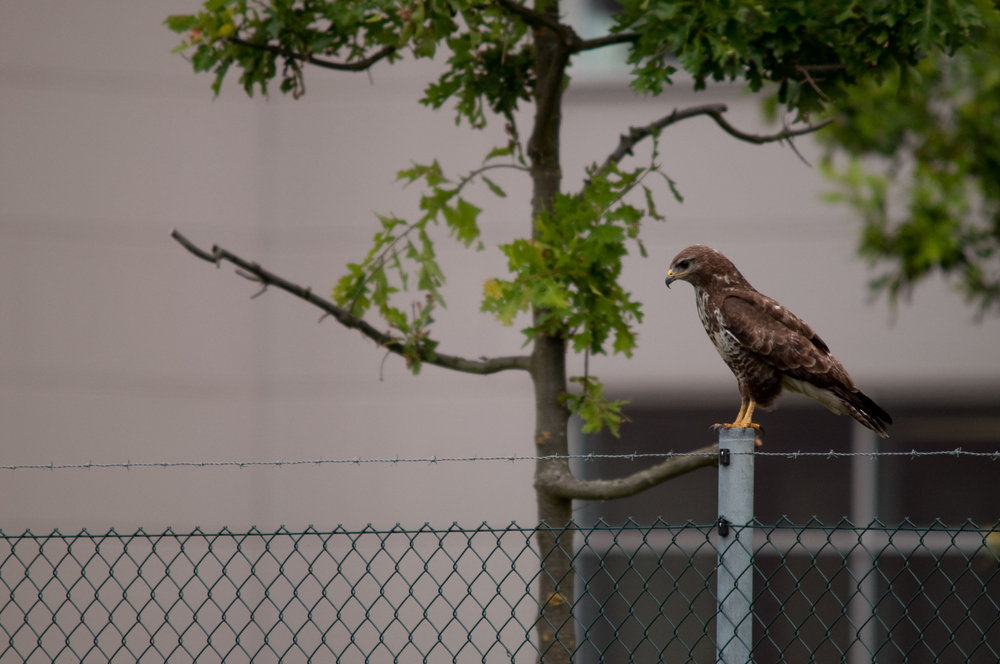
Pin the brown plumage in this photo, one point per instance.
(767, 347)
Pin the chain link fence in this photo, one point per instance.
(644, 594)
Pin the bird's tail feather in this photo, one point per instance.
(866, 411)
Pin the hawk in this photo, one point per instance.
(766, 346)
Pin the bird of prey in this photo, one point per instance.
(767, 347)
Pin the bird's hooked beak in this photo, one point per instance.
(670, 278)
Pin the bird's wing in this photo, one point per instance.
(781, 339)
(781, 314)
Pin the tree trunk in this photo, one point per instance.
(555, 627)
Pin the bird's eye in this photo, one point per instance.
(683, 265)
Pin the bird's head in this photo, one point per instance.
(698, 263)
(686, 265)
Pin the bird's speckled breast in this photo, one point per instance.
(756, 378)
(711, 318)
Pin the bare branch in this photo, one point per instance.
(187, 244)
(812, 69)
(812, 83)
(383, 339)
(559, 481)
(759, 139)
(636, 134)
(608, 40)
(714, 111)
(357, 65)
(798, 154)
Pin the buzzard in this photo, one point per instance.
(767, 347)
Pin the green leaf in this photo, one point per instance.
(593, 408)
(426, 47)
(431, 173)
(181, 22)
(651, 206)
(499, 152)
(493, 187)
(462, 220)
(673, 188)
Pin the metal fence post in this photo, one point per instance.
(861, 560)
(733, 621)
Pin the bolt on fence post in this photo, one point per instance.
(734, 575)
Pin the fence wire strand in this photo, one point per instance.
(431, 460)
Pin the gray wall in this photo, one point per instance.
(117, 345)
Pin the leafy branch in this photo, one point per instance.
(593, 407)
(372, 266)
(367, 283)
(922, 171)
(568, 273)
(789, 43)
(490, 64)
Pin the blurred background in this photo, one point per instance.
(117, 345)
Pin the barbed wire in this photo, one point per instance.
(913, 454)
